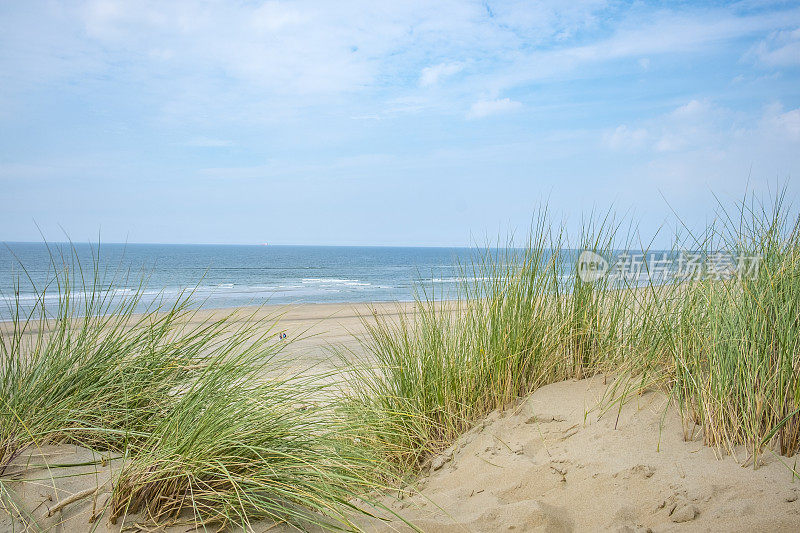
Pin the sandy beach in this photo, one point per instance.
(311, 329)
(555, 461)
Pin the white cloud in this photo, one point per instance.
(780, 49)
(316, 47)
(692, 109)
(671, 142)
(660, 33)
(625, 138)
(484, 108)
(785, 125)
(700, 142)
(287, 48)
(691, 126)
(225, 59)
(433, 75)
(702, 145)
(695, 125)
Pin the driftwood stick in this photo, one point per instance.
(72, 499)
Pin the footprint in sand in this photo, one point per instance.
(523, 516)
(638, 471)
(680, 507)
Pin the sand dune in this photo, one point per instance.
(554, 462)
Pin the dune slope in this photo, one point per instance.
(556, 463)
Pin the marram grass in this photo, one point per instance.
(91, 372)
(727, 349)
(520, 319)
(234, 451)
(209, 429)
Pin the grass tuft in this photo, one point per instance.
(521, 318)
(725, 345)
(209, 428)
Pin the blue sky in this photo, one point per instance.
(386, 123)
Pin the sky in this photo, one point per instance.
(387, 123)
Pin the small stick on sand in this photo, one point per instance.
(72, 499)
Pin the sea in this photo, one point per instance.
(226, 275)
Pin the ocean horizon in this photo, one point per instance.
(237, 275)
(230, 275)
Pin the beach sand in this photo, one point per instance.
(553, 462)
(311, 329)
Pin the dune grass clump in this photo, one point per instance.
(521, 318)
(207, 425)
(729, 345)
(235, 450)
(90, 371)
(723, 341)
(596, 314)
